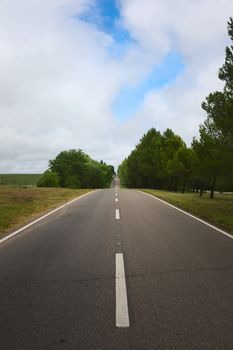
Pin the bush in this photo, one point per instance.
(48, 179)
(72, 181)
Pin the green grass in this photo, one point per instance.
(19, 179)
(217, 211)
(20, 205)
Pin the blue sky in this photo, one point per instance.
(105, 14)
(131, 97)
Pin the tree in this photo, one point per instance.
(226, 71)
(181, 166)
(171, 143)
(75, 169)
(211, 152)
(68, 164)
(123, 173)
(148, 159)
(48, 179)
(219, 105)
(216, 134)
(155, 163)
(72, 181)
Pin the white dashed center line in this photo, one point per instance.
(117, 214)
(122, 313)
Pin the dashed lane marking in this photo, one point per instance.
(117, 214)
(122, 312)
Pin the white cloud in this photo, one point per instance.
(58, 78)
(197, 31)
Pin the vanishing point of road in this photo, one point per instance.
(117, 269)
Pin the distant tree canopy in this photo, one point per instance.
(163, 161)
(75, 169)
(159, 161)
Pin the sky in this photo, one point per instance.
(98, 74)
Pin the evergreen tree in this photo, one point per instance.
(215, 151)
(219, 105)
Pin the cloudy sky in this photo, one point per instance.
(97, 74)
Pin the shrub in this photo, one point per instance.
(48, 179)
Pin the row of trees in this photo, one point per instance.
(160, 161)
(164, 161)
(75, 169)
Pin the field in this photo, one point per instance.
(217, 211)
(19, 179)
(19, 205)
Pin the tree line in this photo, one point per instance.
(164, 161)
(76, 169)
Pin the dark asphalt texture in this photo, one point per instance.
(57, 279)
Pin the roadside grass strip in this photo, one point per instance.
(153, 194)
(12, 234)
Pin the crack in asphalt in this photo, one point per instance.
(110, 278)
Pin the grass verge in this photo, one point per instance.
(18, 206)
(217, 211)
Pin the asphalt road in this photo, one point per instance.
(59, 290)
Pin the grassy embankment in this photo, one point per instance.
(19, 206)
(217, 211)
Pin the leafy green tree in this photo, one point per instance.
(68, 164)
(75, 169)
(107, 172)
(48, 179)
(94, 177)
(72, 181)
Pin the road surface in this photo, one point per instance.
(117, 269)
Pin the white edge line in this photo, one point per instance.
(42, 217)
(116, 199)
(192, 216)
(122, 312)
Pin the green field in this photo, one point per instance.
(19, 179)
(217, 211)
(19, 205)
